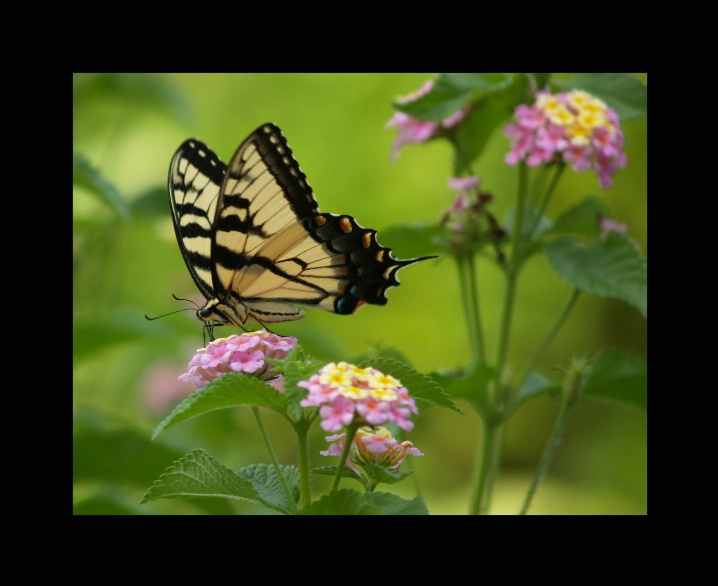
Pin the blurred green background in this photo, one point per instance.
(127, 264)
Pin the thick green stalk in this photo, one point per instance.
(511, 278)
(273, 458)
(492, 439)
(304, 465)
(488, 466)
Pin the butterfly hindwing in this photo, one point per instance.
(256, 244)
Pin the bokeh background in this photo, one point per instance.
(126, 264)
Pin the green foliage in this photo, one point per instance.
(618, 376)
(126, 127)
(612, 267)
(230, 390)
(199, 475)
(622, 91)
(350, 502)
(85, 175)
(581, 219)
(422, 388)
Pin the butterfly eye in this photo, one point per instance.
(204, 313)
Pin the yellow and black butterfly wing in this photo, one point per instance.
(195, 179)
(270, 250)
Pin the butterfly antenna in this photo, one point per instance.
(196, 307)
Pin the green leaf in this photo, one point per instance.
(85, 175)
(619, 376)
(613, 267)
(581, 219)
(534, 386)
(621, 91)
(268, 487)
(351, 502)
(379, 474)
(471, 136)
(472, 386)
(422, 388)
(199, 475)
(451, 92)
(230, 390)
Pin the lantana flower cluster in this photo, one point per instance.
(240, 353)
(575, 127)
(345, 392)
(371, 446)
(412, 130)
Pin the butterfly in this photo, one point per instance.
(256, 244)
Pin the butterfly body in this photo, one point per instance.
(255, 243)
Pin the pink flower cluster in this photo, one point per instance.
(412, 130)
(575, 127)
(243, 353)
(345, 392)
(375, 446)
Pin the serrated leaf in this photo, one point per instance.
(351, 502)
(268, 487)
(620, 376)
(621, 91)
(581, 219)
(230, 390)
(85, 175)
(613, 267)
(199, 475)
(422, 388)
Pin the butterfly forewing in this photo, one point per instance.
(195, 179)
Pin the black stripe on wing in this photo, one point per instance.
(195, 177)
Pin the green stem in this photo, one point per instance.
(547, 197)
(473, 293)
(273, 458)
(488, 466)
(494, 422)
(511, 278)
(549, 453)
(551, 336)
(351, 432)
(473, 324)
(304, 465)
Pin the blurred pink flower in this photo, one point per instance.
(575, 127)
(161, 388)
(412, 130)
(239, 353)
